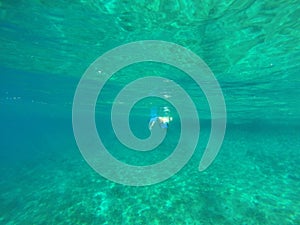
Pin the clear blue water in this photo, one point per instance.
(253, 49)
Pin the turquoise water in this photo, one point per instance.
(253, 49)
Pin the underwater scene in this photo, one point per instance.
(150, 112)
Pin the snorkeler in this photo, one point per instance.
(162, 120)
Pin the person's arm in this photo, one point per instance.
(152, 122)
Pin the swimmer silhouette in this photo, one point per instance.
(162, 120)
